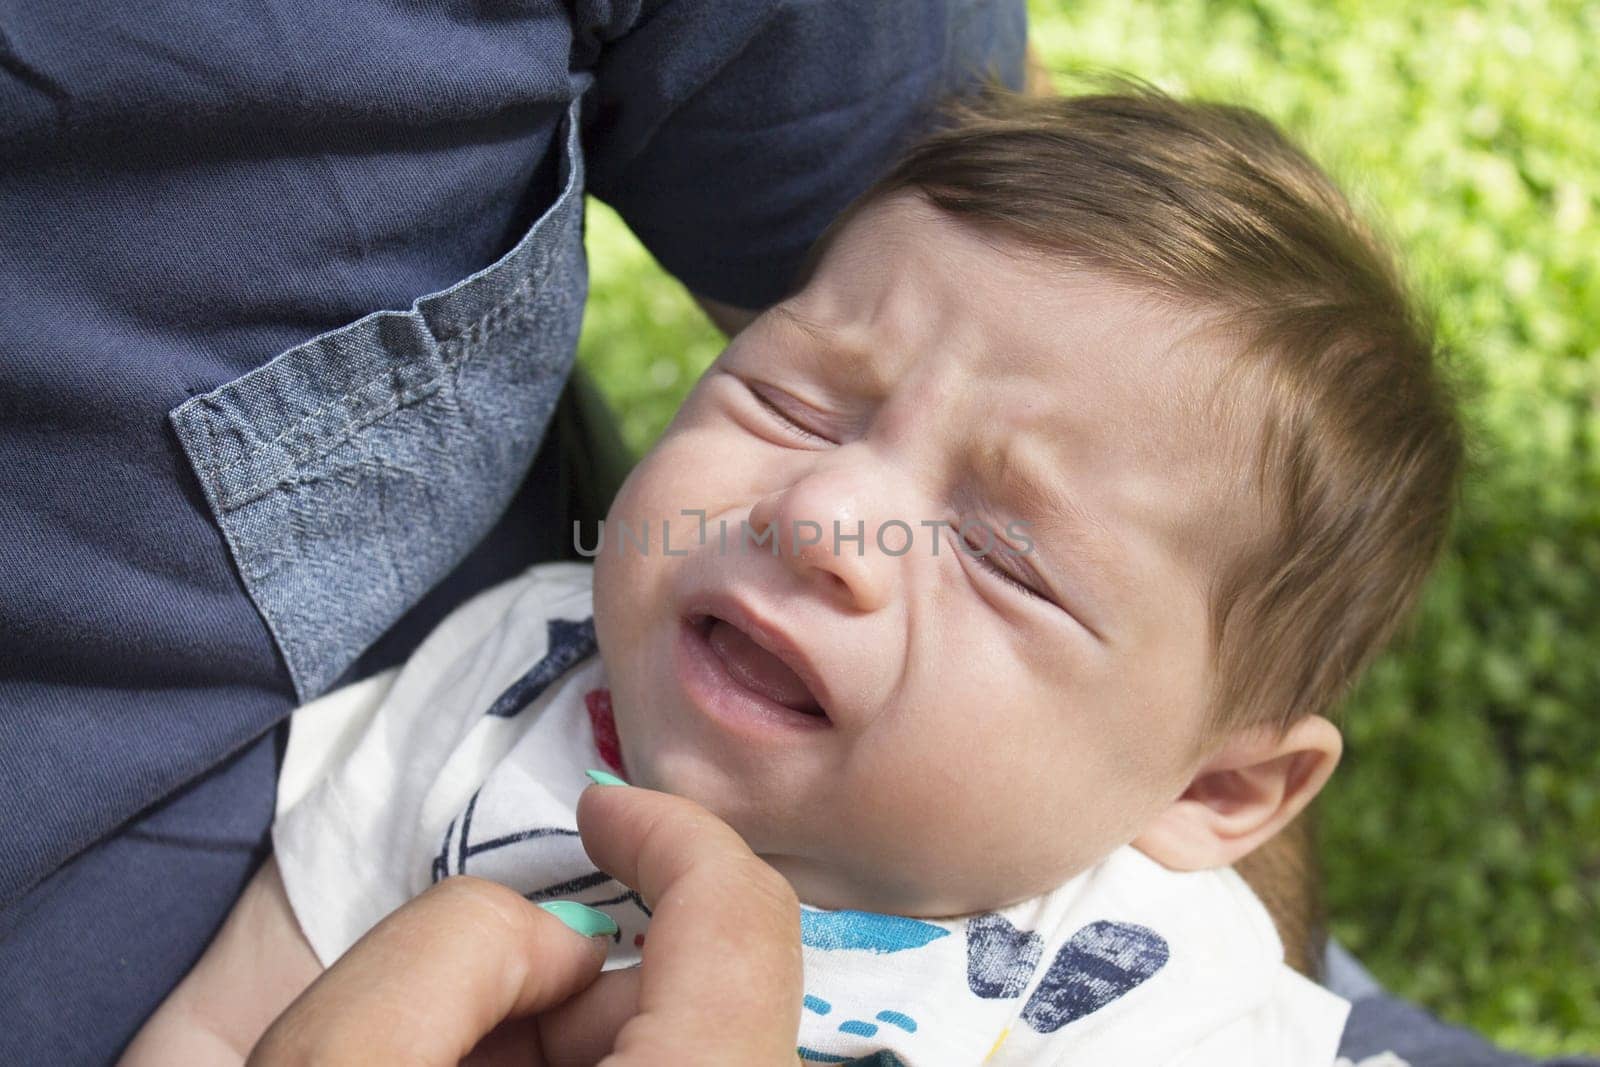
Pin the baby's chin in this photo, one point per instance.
(836, 879)
(827, 876)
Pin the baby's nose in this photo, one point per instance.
(829, 526)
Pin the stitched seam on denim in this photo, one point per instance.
(567, 212)
(302, 477)
(448, 345)
(455, 350)
(328, 442)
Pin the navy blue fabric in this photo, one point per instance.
(105, 922)
(1382, 1023)
(187, 191)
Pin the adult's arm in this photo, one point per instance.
(730, 158)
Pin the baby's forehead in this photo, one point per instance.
(901, 274)
(905, 280)
(1106, 393)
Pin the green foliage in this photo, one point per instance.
(1462, 835)
(643, 338)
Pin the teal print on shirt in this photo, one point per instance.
(837, 931)
(861, 931)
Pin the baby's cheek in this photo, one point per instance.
(933, 825)
(1009, 840)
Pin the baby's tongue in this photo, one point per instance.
(757, 668)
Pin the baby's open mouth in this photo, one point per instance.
(755, 667)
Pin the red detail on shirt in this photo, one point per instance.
(638, 941)
(604, 725)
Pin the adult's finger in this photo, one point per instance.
(582, 1031)
(431, 980)
(721, 979)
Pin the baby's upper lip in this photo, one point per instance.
(766, 633)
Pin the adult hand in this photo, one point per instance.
(720, 982)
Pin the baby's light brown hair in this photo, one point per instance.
(1358, 444)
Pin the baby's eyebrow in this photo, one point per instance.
(816, 331)
(846, 351)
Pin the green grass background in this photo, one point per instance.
(1461, 837)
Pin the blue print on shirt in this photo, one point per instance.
(1000, 958)
(1102, 962)
(566, 643)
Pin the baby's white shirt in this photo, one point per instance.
(470, 759)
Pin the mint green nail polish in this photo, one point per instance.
(604, 778)
(581, 918)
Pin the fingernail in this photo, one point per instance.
(581, 918)
(604, 778)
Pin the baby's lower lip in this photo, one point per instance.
(723, 698)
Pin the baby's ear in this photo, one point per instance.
(1251, 788)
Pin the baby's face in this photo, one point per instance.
(893, 722)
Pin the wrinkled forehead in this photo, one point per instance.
(1132, 400)
(905, 281)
